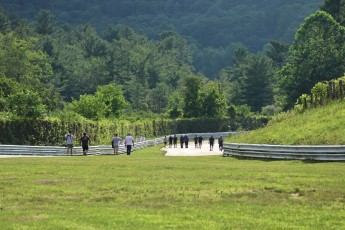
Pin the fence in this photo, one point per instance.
(300, 152)
(323, 92)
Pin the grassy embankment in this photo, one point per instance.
(150, 191)
(321, 126)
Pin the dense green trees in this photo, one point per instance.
(336, 8)
(213, 28)
(317, 54)
(120, 71)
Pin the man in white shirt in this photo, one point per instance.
(115, 144)
(129, 142)
(69, 142)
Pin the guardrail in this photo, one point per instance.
(298, 152)
(140, 143)
(62, 151)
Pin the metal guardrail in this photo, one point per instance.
(140, 143)
(298, 152)
(62, 151)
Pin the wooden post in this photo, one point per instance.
(334, 91)
(341, 90)
(329, 91)
(305, 104)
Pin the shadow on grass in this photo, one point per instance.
(307, 161)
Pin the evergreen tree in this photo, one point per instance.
(336, 8)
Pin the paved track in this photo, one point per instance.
(192, 151)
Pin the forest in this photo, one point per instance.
(75, 72)
(213, 29)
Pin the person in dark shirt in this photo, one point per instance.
(175, 141)
(196, 141)
(220, 143)
(170, 141)
(181, 141)
(211, 140)
(186, 140)
(85, 142)
(200, 138)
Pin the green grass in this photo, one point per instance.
(149, 191)
(321, 126)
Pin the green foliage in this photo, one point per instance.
(25, 104)
(89, 107)
(277, 52)
(336, 8)
(321, 126)
(107, 102)
(321, 94)
(317, 54)
(44, 23)
(192, 96)
(214, 28)
(214, 102)
(250, 81)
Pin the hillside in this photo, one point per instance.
(321, 126)
(213, 28)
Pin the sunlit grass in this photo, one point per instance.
(321, 126)
(149, 191)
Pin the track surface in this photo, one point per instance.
(193, 151)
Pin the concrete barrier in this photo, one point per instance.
(298, 152)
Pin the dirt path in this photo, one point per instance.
(192, 151)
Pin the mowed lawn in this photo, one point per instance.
(150, 191)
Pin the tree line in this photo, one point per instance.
(213, 29)
(69, 72)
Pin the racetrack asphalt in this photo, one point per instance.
(192, 150)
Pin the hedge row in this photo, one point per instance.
(52, 131)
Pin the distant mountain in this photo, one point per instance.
(213, 28)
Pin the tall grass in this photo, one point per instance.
(149, 191)
(321, 126)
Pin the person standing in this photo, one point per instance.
(211, 140)
(170, 141)
(129, 142)
(220, 143)
(181, 141)
(196, 141)
(115, 143)
(200, 138)
(175, 141)
(85, 142)
(69, 142)
(186, 140)
(165, 141)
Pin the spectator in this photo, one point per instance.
(85, 142)
(211, 140)
(69, 142)
(115, 143)
(129, 142)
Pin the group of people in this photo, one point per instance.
(172, 140)
(220, 143)
(85, 141)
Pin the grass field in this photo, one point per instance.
(322, 126)
(149, 191)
